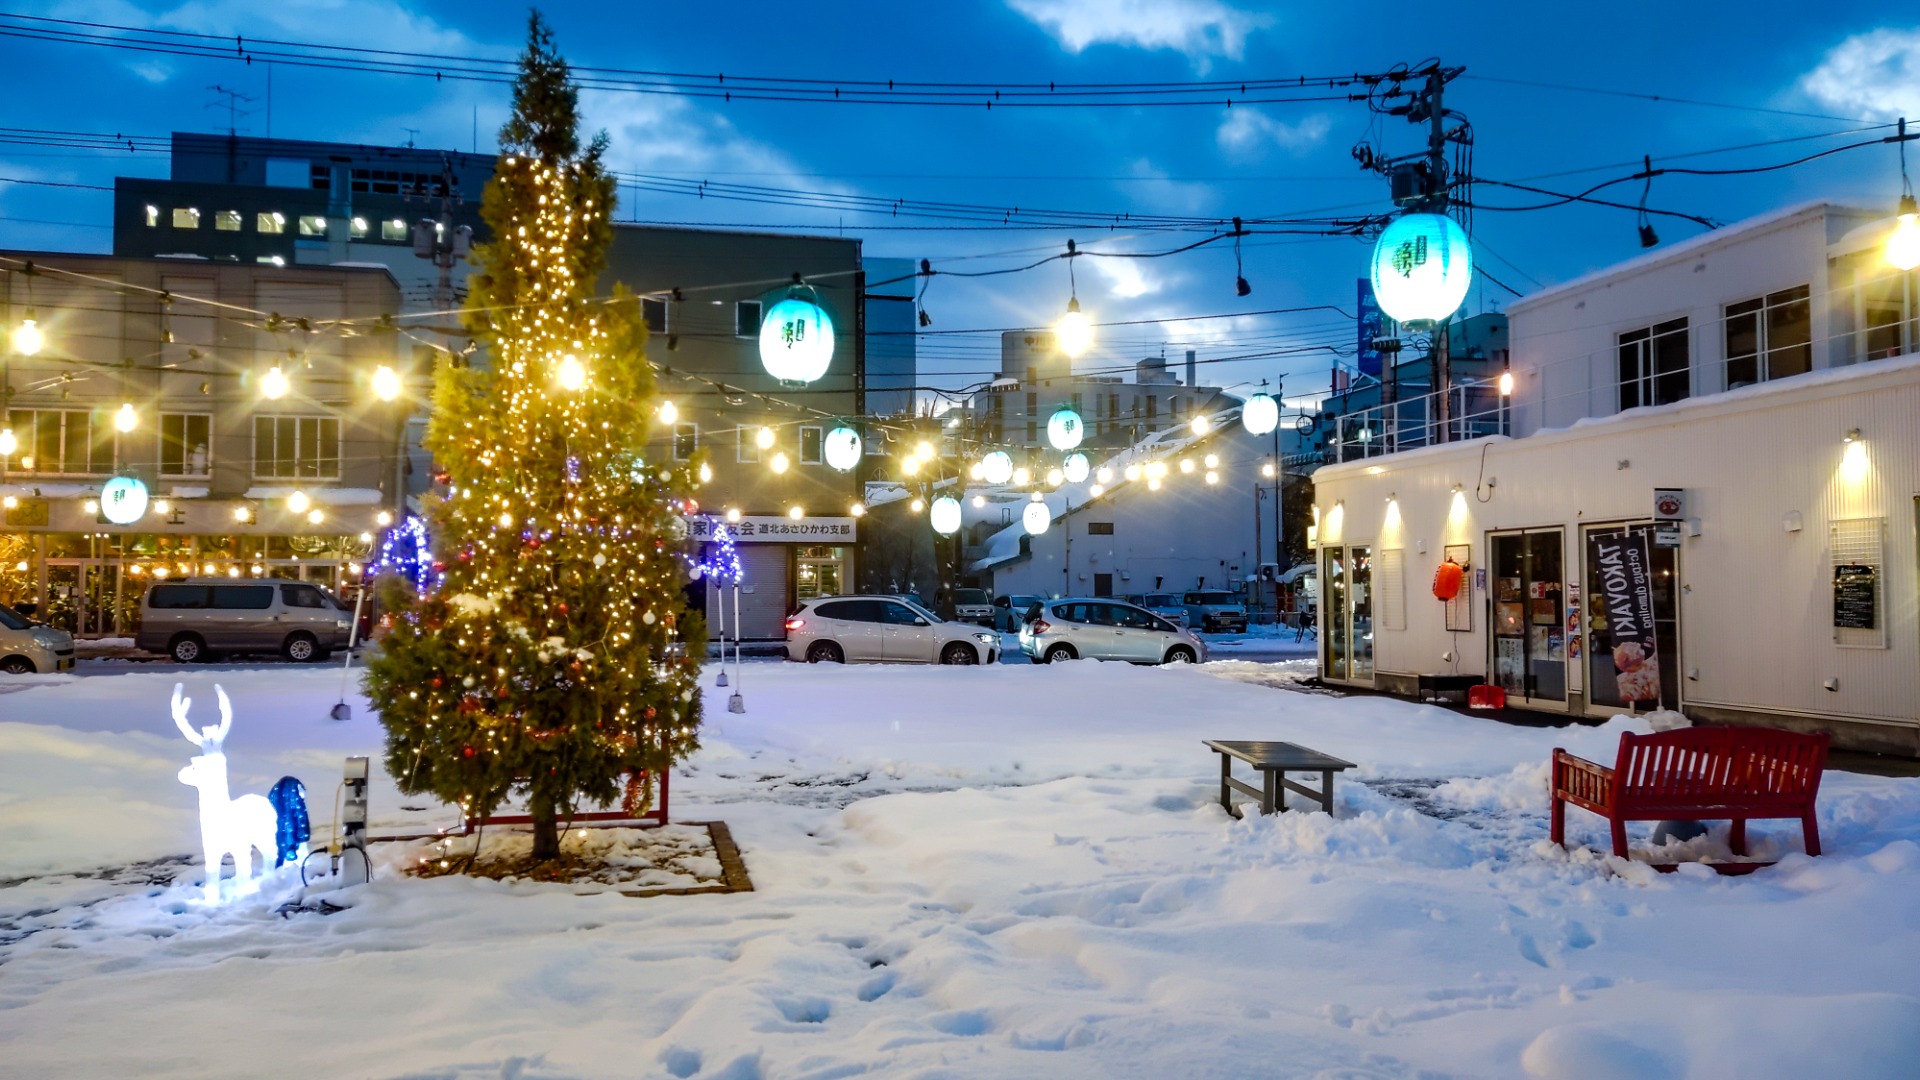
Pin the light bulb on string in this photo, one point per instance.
(126, 419)
(1212, 461)
(571, 374)
(764, 438)
(298, 502)
(669, 412)
(779, 463)
(386, 383)
(274, 384)
(1056, 477)
(1201, 425)
(9, 442)
(28, 339)
(1073, 332)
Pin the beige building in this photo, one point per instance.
(150, 436)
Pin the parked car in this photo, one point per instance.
(1215, 611)
(1106, 629)
(1010, 611)
(29, 648)
(836, 629)
(197, 619)
(1168, 606)
(973, 605)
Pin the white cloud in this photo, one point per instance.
(1871, 75)
(1201, 29)
(152, 71)
(1249, 132)
(1127, 278)
(1157, 193)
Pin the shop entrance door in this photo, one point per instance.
(85, 598)
(1603, 676)
(1529, 614)
(1348, 575)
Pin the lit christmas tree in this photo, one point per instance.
(555, 655)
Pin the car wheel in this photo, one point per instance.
(959, 652)
(188, 649)
(300, 648)
(17, 665)
(1059, 653)
(825, 652)
(1180, 654)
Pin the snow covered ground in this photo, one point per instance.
(1003, 872)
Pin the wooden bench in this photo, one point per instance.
(1274, 760)
(1716, 773)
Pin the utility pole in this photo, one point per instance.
(1430, 107)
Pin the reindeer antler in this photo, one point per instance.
(226, 714)
(180, 707)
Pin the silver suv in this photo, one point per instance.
(835, 629)
(1100, 628)
(1215, 610)
(973, 605)
(26, 647)
(197, 619)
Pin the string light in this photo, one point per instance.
(572, 374)
(917, 505)
(1212, 461)
(386, 383)
(1021, 477)
(28, 339)
(857, 510)
(274, 384)
(298, 502)
(779, 463)
(764, 438)
(669, 412)
(242, 515)
(9, 442)
(706, 473)
(126, 419)
(1201, 425)
(1186, 465)
(796, 512)
(315, 516)
(1056, 477)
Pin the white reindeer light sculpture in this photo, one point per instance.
(228, 826)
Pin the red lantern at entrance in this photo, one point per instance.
(1447, 580)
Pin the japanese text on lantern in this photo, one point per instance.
(1410, 254)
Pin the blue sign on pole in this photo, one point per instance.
(1372, 325)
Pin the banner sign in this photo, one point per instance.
(1623, 569)
(1372, 326)
(778, 529)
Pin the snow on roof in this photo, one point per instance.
(1685, 249)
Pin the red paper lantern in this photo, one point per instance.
(1447, 580)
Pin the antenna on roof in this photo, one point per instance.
(234, 99)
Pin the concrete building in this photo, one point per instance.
(154, 370)
(1743, 404)
(1118, 407)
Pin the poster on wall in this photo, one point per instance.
(1573, 621)
(1623, 569)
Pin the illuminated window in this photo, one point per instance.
(186, 217)
(270, 260)
(226, 220)
(393, 229)
(186, 444)
(69, 442)
(153, 216)
(357, 228)
(270, 222)
(314, 225)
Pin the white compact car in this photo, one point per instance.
(836, 629)
(1100, 628)
(27, 648)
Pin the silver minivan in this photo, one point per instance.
(197, 619)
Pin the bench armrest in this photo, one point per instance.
(1581, 781)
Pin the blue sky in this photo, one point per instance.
(1840, 60)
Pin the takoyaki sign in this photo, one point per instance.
(1624, 570)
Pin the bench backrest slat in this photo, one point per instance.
(1710, 762)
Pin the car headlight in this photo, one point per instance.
(984, 639)
(46, 640)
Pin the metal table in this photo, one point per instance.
(1274, 760)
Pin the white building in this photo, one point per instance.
(1750, 402)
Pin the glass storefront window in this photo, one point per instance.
(1529, 616)
(819, 571)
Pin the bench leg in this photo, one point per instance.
(1737, 837)
(1326, 790)
(1270, 797)
(1619, 837)
(1810, 829)
(1557, 822)
(1226, 790)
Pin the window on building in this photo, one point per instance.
(1033, 375)
(153, 216)
(62, 442)
(686, 439)
(747, 442)
(1099, 528)
(357, 228)
(1770, 337)
(186, 442)
(1153, 406)
(746, 318)
(1887, 307)
(654, 311)
(186, 217)
(394, 229)
(296, 447)
(1076, 403)
(270, 222)
(313, 225)
(1654, 366)
(810, 446)
(226, 220)
(271, 260)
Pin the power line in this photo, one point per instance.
(1663, 98)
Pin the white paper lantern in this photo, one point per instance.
(123, 500)
(842, 448)
(1036, 517)
(1261, 414)
(796, 340)
(1064, 429)
(945, 515)
(1422, 265)
(996, 468)
(1077, 468)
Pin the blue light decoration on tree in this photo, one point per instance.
(404, 550)
(722, 563)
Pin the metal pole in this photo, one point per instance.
(720, 610)
(736, 703)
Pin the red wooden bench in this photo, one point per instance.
(1714, 773)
